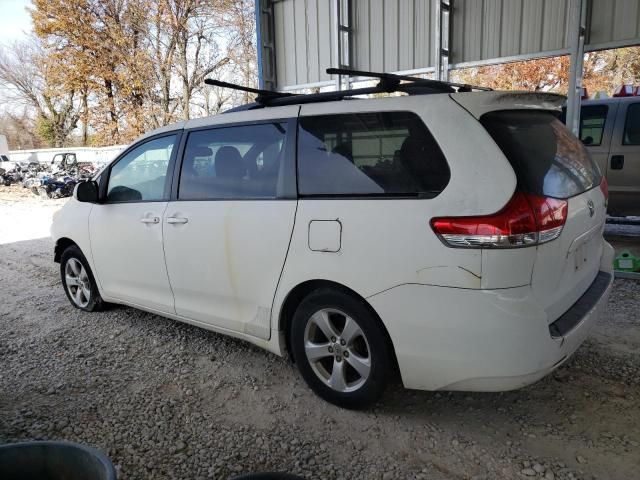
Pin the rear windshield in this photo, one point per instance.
(547, 158)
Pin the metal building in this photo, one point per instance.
(299, 39)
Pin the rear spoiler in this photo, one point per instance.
(479, 103)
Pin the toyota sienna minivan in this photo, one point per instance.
(453, 237)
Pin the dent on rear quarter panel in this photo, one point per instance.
(451, 275)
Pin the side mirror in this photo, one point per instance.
(86, 192)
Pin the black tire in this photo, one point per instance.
(95, 302)
(334, 303)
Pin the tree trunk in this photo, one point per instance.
(111, 104)
(85, 117)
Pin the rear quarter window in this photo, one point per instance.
(632, 125)
(547, 158)
(369, 154)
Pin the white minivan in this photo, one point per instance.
(453, 237)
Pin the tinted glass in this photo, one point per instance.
(632, 125)
(233, 162)
(592, 120)
(383, 153)
(142, 173)
(547, 158)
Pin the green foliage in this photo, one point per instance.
(45, 131)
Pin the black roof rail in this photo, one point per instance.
(388, 83)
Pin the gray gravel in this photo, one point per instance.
(167, 400)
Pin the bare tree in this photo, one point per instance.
(25, 70)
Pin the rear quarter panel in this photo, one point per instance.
(389, 242)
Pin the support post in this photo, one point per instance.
(265, 39)
(577, 33)
(343, 38)
(442, 34)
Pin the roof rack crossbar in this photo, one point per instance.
(388, 83)
(392, 76)
(263, 96)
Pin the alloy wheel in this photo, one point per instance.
(337, 350)
(78, 283)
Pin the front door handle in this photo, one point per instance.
(617, 162)
(175, 220)
(151, 220)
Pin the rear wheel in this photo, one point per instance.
(340, 348)
(78, 281)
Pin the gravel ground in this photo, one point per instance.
(168, 400)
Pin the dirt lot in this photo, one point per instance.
(167, 400)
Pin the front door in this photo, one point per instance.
(227, 233)
(126, 229)
(623, 170)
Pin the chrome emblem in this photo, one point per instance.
(592, 208)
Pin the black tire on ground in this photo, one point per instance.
(377, 348)
(95, 301)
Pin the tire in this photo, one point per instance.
(78, 281)
(332, 329)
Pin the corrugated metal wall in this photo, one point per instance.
(399, 35)
(614, 21)
(488, 29)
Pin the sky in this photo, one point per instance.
(15, 21)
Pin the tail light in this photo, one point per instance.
(526, 220)
(604, 186)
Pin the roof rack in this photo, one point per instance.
(394, 79)
(388, 83)
(263, 95)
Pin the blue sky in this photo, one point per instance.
(15, 21)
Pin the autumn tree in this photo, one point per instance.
(603, 71)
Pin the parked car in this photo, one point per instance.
(453, 237)
(610, 129)
(64, 161)
(6, 164)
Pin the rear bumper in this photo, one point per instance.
(484, 340)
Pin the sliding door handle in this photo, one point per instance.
(175, 220)
(617, 162)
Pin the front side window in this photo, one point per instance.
(239, 162)
(371, 154)
(141, 175)
(632, 125)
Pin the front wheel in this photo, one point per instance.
(340, 348)
(78, 281)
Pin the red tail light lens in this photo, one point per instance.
(604, 186)
(526, 220)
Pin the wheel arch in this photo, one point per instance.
(300, 291)
(61, 245)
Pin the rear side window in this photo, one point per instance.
(547, 159)
(239, 162)
(592, 120)
(632, 125)
(371, 154)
